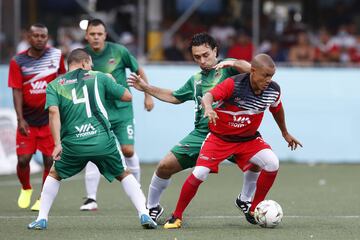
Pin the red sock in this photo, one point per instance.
(45, 174)
(23, 174)
(263, 185)
(187, 193)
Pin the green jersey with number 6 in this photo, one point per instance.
(114, 59)
(80, 96)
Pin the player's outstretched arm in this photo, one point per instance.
(279, 117)
(148, 101)
(240, 65)
(162, 94)
(207, 102)
(55, 126)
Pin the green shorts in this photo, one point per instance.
(109, 163)
(188, 149)
(122, 124)
(124, 131)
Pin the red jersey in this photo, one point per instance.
(240, 111)
(32, 75)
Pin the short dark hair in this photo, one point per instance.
(201, 39)
(78, 55)
(95, 22)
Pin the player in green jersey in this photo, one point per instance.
(81, 131)
(204, 50)
(113, 59)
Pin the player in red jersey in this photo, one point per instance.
(242, 100)
(29, 73)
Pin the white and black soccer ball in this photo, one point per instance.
(268, 214)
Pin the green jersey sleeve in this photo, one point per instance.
(52, 98)
(113, 90)
(129, 60)
(186, 92)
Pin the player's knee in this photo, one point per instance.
(168, 166)
(266, 159)
(54, 174)
(127, 151)
(24, 160)
(48, 162)
(201, 172)
(165, 170)
(272, 163)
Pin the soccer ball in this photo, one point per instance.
(268, 214)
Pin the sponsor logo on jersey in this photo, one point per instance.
(85, 130)
(27, 69)
(217, 75)
(88, 76)
(64, 81)
(38, 87)
(239, 122)
(111, 61)
(52, 65)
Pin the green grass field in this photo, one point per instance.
(319, 202)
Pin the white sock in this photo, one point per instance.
(92, 179)
(48, 194)
(249, 185)
(133, 164)
(133, 191)
(156, 188)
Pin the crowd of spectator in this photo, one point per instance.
(296, 44)
(298, 47)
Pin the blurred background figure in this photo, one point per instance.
(276, 52)
(355, 51)
(177, 51)
(345, 39)
(242, 48)
(326, 50)
(23, 44)
(302, 53)
(223, 32)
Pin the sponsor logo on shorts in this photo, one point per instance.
(85, 130)
(206, 158)
(38, 87)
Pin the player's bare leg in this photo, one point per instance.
(168, 166)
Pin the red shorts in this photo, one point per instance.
(216, 150)
(39, 138)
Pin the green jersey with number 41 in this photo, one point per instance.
(80, 96)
